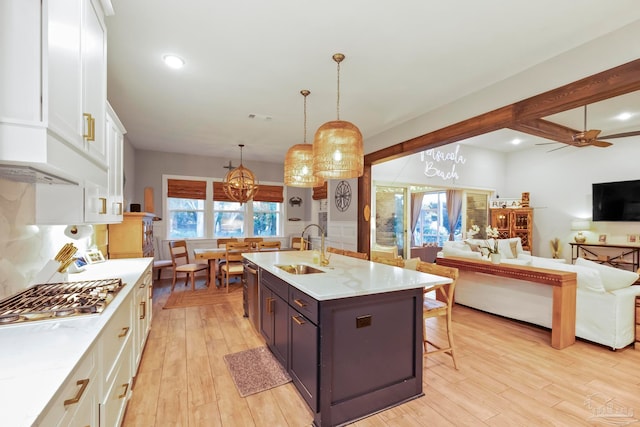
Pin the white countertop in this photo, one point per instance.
(37, 357)
(344, 276)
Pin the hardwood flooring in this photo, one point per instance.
(509, 376)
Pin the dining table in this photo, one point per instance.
(212, 255)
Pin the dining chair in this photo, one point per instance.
(181, 264)
(354, 254)
(395, 262)
(221, 243)
(253, 240)
(297, 242)
(271, 245)
(159, 264)
(439, 307)
(233, 257)
(333, 250)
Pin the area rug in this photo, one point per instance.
(181, 298)
(255, 370)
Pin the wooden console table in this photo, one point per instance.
(601, 253)
(563, 322)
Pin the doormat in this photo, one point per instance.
(255, 370)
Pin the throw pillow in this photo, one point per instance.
(612, 278)
(586, 277)
(505, 248)
(474, 247)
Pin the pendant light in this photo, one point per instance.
(240, 184)
(338, 150)
(298, 163)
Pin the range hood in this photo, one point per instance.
(32, 175)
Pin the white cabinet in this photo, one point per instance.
(76, 404)
(114, 137)
(143, 304)
(53, 85)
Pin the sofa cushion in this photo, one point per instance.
(612, 278)
(459, 249)
(532, 258)
(586, 277)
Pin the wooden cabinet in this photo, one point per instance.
(303, 356)
(275, 316)
(143, 314)
(133, 237)
(636, 345)
(514, 223)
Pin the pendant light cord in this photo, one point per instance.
(338, 101)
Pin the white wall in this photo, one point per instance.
(560, 187)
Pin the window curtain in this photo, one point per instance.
(416, 208)
(454, 206)
(266, 193)
(186, 189)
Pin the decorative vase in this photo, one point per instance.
(495, 258)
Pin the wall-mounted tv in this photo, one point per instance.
(616, 201)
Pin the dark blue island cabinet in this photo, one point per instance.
(348, 357)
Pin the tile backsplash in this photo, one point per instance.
(25, 248)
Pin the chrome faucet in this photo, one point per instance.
(323, 259)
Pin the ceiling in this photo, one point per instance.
(253, 57)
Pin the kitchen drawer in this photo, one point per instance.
(115, 335)
(277, 285)
(76, 397)
(117, 392)
(304, 304)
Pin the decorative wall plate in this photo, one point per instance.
(343, 196)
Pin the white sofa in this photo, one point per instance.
(605, 298)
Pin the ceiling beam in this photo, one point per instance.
(598, 87)
(546, 129)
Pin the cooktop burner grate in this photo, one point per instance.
(57, 300)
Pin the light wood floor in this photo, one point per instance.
(509, 376)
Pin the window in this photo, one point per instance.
(199, 208)
(433, 223)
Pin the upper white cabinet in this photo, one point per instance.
(114, 137)
(53, 81)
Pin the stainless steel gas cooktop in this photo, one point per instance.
(59, 300)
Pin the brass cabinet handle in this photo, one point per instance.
(119, 211)
(150, 291)
(124, 332)
(299, 320)
(87, 134)
(103, 207)
(299, 302)
(83, 385)
(270, 302)
(143, 306)
(124, 393)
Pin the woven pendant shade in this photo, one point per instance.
(298, 163)
(240, 184)
(338, 149)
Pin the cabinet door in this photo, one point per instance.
(94, 72)
(267, 301)
(115, 144)
(303, 357)
(274, 323)
(95, 203)
(501, 220)
(64, 70)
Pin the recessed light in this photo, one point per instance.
(624, 116)
(173, 61)
(516, 141)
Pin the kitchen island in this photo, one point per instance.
(349, 334)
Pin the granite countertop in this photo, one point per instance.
(344, 276)
(37, 357)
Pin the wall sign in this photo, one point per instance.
(505, 203)
(442, 164)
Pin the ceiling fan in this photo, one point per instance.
(590, 137)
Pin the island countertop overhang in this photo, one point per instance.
(344, 277)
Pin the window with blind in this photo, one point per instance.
(191, 215)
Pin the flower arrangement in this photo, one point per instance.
(492, 233)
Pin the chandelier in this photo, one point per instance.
(338, 150)
(240, 184)
(298, 163)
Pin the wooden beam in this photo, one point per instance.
(546, 129)
(364, 206)
(607, 84)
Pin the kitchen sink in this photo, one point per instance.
(299, 269)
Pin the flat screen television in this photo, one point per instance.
(616, 201)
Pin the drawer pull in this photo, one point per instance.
(299, 320)
(124, 332)
(300, 303)
(83, 385)
(270, 302)
(103, 205)
(90, 135)
(143, 311)
(124, 393)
